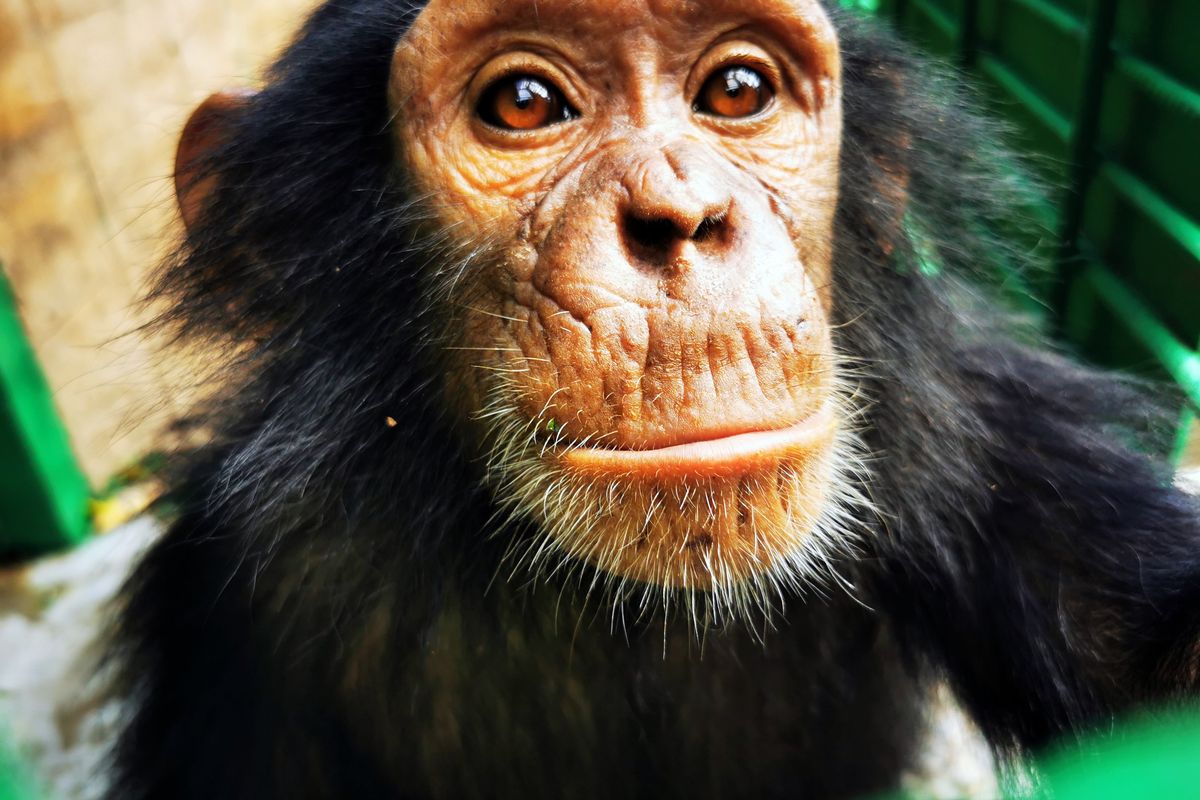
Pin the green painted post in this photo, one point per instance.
(1153, 758)
(1181, 362)
(15, 781)
(43, 492)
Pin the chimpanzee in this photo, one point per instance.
(609, 402)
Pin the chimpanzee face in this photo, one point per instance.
(640, 336)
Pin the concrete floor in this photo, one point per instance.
(55, 698)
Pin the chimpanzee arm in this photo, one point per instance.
(1074, 594)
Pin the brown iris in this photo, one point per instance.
(523, 103)
(734, 92)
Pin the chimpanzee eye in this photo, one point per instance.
(523, 103)
(734, 92)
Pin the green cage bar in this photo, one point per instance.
(1181, 362)
(1063, 20)
(43, 492)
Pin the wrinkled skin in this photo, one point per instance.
(619, 335)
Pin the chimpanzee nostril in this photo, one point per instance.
(659, 234)
(652, 234)
(708, 228)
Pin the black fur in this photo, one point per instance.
(318, 621)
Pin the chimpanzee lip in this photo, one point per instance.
(724, 456)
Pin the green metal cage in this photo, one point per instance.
(1106, 94)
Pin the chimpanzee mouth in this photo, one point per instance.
(717, 457)
(733, 509)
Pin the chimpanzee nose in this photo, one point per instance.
(668, 203)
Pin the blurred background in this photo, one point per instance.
(1103, 94)
(1104, 97)
(93, 94)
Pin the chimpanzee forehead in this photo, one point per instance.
(456, 20)
(621, 12)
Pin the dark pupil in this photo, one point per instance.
(740, 78)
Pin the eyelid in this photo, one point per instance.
(511, 82)
(744, 49)
(531, 63)
(755, 62)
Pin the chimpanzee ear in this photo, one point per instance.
(205, 131)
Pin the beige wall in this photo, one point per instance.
(1191, 456)
(92, 96)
